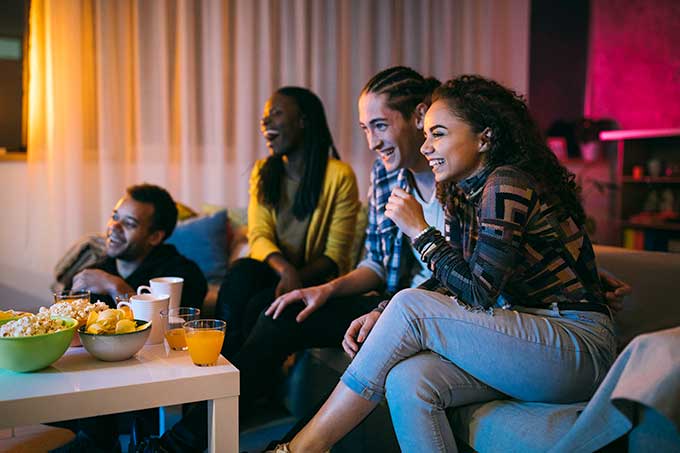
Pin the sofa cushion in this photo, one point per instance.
(204, 240)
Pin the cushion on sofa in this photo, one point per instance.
(204, 240)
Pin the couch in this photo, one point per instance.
(513, 426)
(218, 237)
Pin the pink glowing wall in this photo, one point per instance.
(634, 66)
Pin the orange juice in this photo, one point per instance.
(204, 346)
(176, 339)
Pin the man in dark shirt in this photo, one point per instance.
(135, 253)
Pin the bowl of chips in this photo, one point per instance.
(33, 342)
(113, 335)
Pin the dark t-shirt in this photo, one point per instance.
(163, 261)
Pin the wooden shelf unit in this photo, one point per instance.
(635, 148)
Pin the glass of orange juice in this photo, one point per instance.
(173, 325)
(204, 339)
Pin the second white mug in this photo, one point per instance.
(165, 285)
(148, 307)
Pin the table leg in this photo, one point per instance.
(223, 425)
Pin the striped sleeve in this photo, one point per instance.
(505, 205)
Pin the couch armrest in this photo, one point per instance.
(655, 279)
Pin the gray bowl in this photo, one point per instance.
(115, 347)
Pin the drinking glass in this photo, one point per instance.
(173, 325)
(204, 338)
(71, 296)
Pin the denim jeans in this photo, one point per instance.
(427, 352)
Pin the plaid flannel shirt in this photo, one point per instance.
(384, 240)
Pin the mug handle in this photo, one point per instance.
(142, 288)
(123, 303)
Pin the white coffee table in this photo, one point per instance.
(78, 385)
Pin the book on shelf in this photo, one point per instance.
(652, 240)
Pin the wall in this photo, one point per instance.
(634, 74)
(558, 60)
(24, 282)
(177, 93)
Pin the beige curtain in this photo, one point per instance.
(170, 92)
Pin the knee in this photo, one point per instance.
(406, 387)
(406, 300)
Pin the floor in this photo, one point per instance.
(271, 423)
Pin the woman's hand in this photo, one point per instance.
(615, 290)
(358, 332)
(404, 210)
(290, 280)
(313, 297)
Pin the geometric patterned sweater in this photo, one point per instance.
(507, 243)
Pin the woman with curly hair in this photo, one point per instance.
(515, 308)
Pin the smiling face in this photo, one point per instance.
(129, 236)
(395, 139)
(282, 125)
(451, 146)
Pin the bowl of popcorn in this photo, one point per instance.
(114, 334)
(78, 309)
(32, 342)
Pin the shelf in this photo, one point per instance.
(652, 180)
(640, 133)
(667, 226)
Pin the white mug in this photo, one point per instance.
(147, 307)
(165, 285)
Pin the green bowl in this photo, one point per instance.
(35, 352)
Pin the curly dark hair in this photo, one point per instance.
(514, 140)
(164, 207)
(317, 142)
(405, 88)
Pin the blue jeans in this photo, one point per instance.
(427, 352)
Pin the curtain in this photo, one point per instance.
(171, 92)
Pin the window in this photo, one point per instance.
(13, 45)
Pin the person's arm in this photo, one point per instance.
(357, 282)
(101, 282)
(342, 197)
(615, 290)
(289, 278)
(478, 281)
(261, 222)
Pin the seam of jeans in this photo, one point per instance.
(565, 349)
(437, 432)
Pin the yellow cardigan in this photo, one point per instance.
(331, 227)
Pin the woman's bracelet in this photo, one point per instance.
(425, 230)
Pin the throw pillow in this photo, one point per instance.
(204, 241)
(184, 212)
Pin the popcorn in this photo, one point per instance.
(30, 325)
(78, 309)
